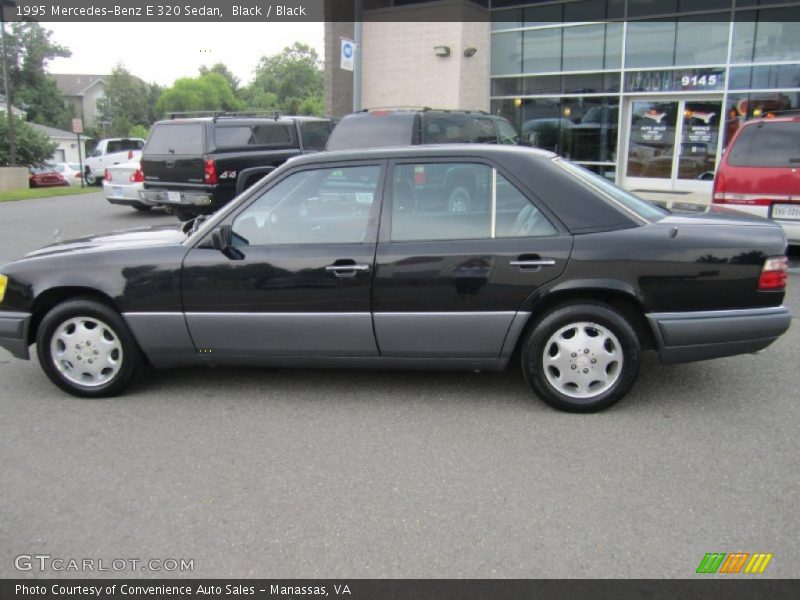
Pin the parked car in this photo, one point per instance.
(71, 172)
(196, 165)
(411, 126)
(121, 185)
(109, 152)
(354, 259)
(45, 177)
(759, 172)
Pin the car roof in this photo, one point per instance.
(242, 119)
(496, 151)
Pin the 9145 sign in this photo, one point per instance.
(675, 80)
(705, 82)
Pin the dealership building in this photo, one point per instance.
(645, 92)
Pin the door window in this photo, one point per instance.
(460, 201)
(652, 139)
(320, 206)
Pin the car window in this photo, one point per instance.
(766, 144)
(508, 135)
(277, 135)
(460, 201)
(444, 128)
(373, 130)
(74, 166)
(482, 132)
(176, 138)
(319, 206)
(315, 134)
(113, 146)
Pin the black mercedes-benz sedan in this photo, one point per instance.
(458, 256)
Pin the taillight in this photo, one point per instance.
(774, 273)
(719, 189)
(137, 176)
(107, 175)
(209, 172)
(130, 154)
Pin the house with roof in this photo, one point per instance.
(82, 93)
(67, 143)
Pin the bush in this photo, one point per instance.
(32, 147)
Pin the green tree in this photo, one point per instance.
(30, 48)
(154, 92)
(125, 104)
(207, 92)
(138, 131)
(32, 147)
(225, 72)
(291, 81)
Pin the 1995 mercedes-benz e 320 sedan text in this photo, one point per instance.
(422, 257)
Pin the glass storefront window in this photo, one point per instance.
(506, 19)
(650, 44)
(701, 42)
(742, 107)
(507, 53)
(592, 47)
(541, 50)
(767, 35)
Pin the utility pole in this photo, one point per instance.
(358, 42)
(12, 149)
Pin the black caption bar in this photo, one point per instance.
(398, 589)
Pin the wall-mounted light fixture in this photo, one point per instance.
(441, 50)
(470, 52)
(517, 102)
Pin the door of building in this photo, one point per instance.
(672, 143)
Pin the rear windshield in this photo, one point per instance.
(272, 135)
(369, 130)
(176, 138)
(767, 145)
(643, 208)
(123, 145)
(315, 134)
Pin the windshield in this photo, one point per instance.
(644, 209)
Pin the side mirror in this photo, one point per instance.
(221, 238)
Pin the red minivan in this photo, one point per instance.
(760, 172)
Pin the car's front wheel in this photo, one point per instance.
(581, 357)
(86, 349)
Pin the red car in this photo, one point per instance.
(41, 177)
(760, 172)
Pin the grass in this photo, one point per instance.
(44, 193)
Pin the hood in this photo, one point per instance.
(717, 215)
(169, 235)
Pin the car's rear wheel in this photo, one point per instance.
(89, 177)
(86, 349)
(581, 357)
(183, 214)
(142, 207)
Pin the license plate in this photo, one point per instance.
(117, 191)
(789, 212)
(174, 197)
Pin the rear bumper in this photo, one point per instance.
(160, 197)
(690, 336)
(127, 195)
(14, 333)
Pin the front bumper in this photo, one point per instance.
(690, 336)
(14, 333)
(161, 197)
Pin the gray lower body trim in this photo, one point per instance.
(691, 336)
(14, 333)
(442, 334)
(283, 334)
(162, 336)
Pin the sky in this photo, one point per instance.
(163, 52)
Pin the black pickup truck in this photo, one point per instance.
(195, 165)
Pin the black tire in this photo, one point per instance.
(109, 329)
(142, 207)
(90, 179)
(597, 348)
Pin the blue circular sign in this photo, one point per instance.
(347, 50)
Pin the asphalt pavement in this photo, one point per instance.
(313, 473)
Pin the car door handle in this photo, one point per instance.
(346, 270)
(536, 262)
